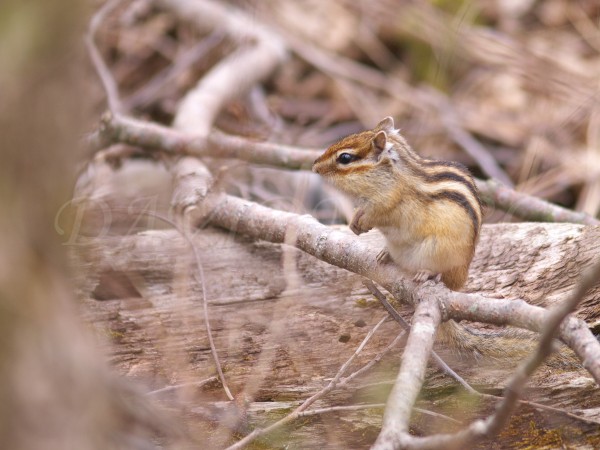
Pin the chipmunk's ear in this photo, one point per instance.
(386, 124)
(379, 143)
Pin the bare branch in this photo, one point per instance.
(300, 411)
(152, 136)
(399, 437)
(410, 377)
(574, 332)
(445, 368)
(233, 75)
(439, 361)
(555, 317)
(353, 254)
(153, 87)
(117, 128)
(108, 82)
(183, 385)
(527, 206)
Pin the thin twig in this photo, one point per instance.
(346, 380)
(556, 316)
(497, 398)
(202, 281)
(334, 381)
(302, 408)
(543, 407)
(183, 385)
(108, 82)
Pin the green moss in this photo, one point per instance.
(365, 303)
(115, 335)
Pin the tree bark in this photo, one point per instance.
(282, 333)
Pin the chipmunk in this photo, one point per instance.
(429, 211)
(430, 214)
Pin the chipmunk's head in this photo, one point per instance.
(357, 163)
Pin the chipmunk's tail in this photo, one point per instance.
(508, 344)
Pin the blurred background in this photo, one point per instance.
(511, 81)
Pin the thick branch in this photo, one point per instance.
(350, 253)
(527, 206)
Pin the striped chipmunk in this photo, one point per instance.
(430, 214)
(429, 211)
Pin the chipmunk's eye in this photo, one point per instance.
(346, 158)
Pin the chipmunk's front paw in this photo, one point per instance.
(423, 275)
(384, 257)
(357, 225)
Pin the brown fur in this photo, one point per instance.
(456, 278)
(429, 211)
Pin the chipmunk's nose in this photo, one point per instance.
(316, 166)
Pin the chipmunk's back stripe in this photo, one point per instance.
(433, 171)
(452, 176)
(461, 199)
(436, 171)
(451, 165)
